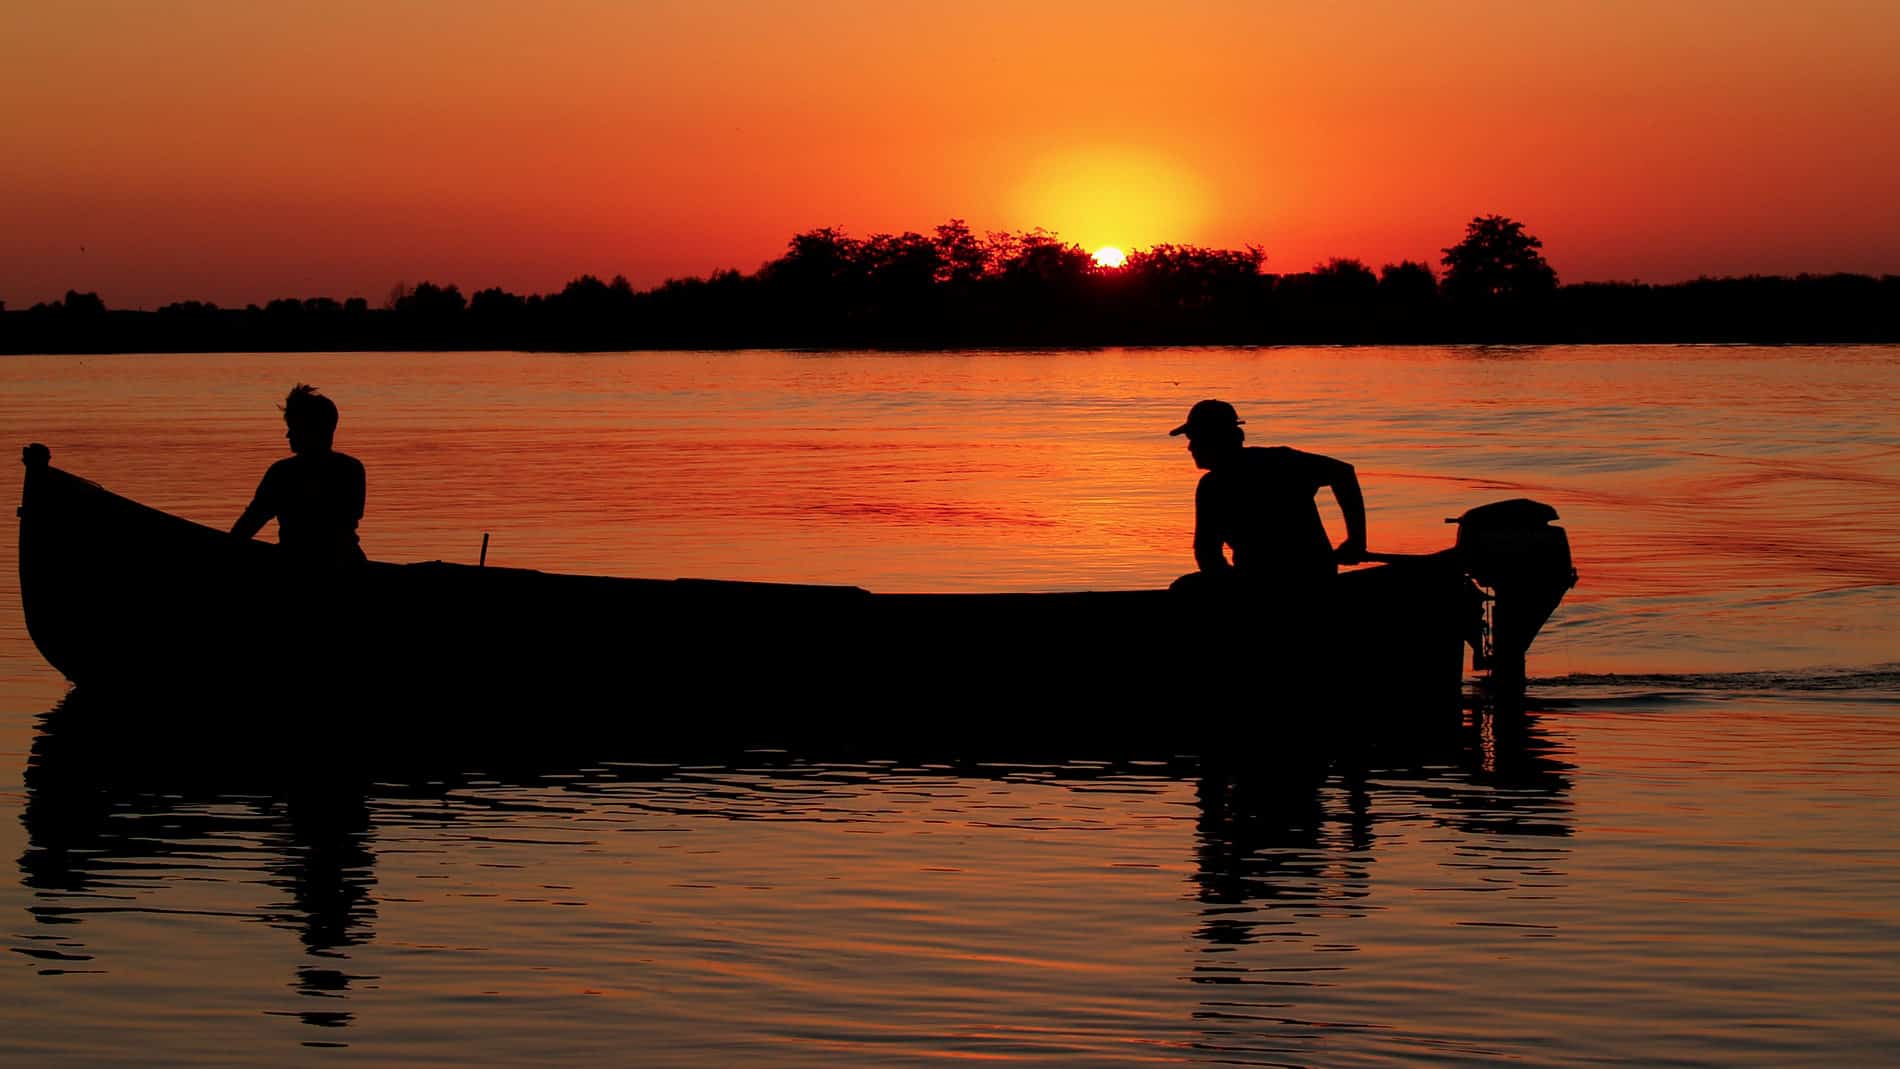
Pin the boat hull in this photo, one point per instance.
(125, 598)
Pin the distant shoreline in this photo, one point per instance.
(1714, 312)
(1038, 347)
(954, 290)
(1566, 319)
(1097, 312)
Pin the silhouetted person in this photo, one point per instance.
(316, 493)
(1261, 502)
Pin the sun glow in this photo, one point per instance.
(1109, 256)
(1131, 197)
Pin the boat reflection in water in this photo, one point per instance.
(121, 819)
(114, 813)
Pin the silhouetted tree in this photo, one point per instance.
(1496, 259)
(1038, 288)
(718, 310)
(429, 316)
(1332, 302)
(1344, 281)
(494, 301)
(190, 325)
(1406, 307)
(589, 313)
(962, 258)
(1040, 258)
(83, 305)
(900, 270)
(1407, 282)
(824, 260)
(812, 290)
(1188, 276)
(497, 314)
(429, 301)
(1183, 293)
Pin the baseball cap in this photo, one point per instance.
(1209, 415)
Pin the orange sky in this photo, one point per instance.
(237, 151)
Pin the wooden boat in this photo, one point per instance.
(125, 597)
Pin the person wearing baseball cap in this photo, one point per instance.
(1261, 503)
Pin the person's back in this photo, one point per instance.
(316, 495)
(317, 499)
(1261, 502)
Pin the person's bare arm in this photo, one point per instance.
(1209, 552)
(256, 515)
(1352, 505)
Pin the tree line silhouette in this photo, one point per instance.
(955, 288)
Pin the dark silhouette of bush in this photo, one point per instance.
(811, 289)
(1183, 293)
(1407, 304)
(498, 316)
(587, 314)
(1346, 287)
(900, 277)
(1346, 279)
(962, 258)
(431, 302)
(1331, 302)
(83, 306)
(1188, 277)
(1407, 284)
(428, 313)
(1039, 266)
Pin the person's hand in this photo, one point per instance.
(1351, 551)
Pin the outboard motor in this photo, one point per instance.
(1511, 549)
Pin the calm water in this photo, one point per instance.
(1687, 857)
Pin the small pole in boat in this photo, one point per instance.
(483, 563)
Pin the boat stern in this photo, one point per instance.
(1521, 559)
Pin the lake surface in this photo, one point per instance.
(1686, 855)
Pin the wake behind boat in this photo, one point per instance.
(123, 597)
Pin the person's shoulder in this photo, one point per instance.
(335, 464)
(1263, 457)
(1286, 454)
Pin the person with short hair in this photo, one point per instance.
(316, 494)
(1260, 502)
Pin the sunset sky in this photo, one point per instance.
(237, 151)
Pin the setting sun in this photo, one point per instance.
(1109, 256)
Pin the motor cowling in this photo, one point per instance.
(1522, 559)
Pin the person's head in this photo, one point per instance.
(1213, 432)
(309, 420)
